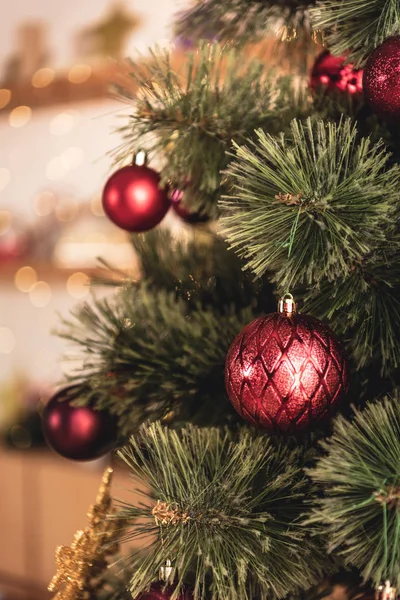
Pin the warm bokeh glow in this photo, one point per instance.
(63, 123)
(40, 294)
(78, 285)
(96, 206)
(44, 203)
(42, 77)
(5, 221)
(5, 97)
(66, 210)
(20, 116)
(25, 278)
(79, 73)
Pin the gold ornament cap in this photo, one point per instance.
(287, 305)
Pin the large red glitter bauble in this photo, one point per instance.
(134, 200)
(77, 432)
(283, 373)
(157, 592)
(333, 72)
(382, 80)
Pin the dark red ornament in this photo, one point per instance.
(134, 200)
(183, 212)
(285, 371)
(158, 592)
(333, 73)
(382, 80)
(77, 432)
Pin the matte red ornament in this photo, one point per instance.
(157, 592)
(284, 372)
(382, 80)
(77, 432)
(134, 200)
(183, 212)
(333, 73)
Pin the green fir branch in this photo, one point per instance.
(240, 21)
(188, 121)
(156, 348)
(355, 27)
(360, 479)
(235, 506)
(145, 357)
(297, 201)
(369, 297)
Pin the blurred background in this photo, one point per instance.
(57, 122)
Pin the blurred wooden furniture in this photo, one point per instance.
(44, 500)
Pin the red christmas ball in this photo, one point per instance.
(183, 212)
(333, 73)
(283, 372)
(382, 80)
(77, 432)
(159, 592)
(134, 200)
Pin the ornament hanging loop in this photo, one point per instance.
(167, 572)
(287, 305)
(140, 158)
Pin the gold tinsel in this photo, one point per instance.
(80, 565)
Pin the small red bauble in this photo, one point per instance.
(382, 80)
(284, 372)
(77, 432)
(183, 212)
(134, 200)
(333, 73)
(158, 592)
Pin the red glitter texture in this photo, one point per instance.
(134, 200)
(284, 373)
(333, 73)
(382, 80)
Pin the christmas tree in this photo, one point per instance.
(269, 438)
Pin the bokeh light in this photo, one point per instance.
(44, 203)
(66, 210)
(20, 116)
(25, 278)
(79, 73)
(72, 158)
(64, 122)
(78, 285)
(5, 221)
(43, 77)
(96, 206)
(40, 294)
(5, 97)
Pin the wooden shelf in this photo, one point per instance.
(52, 273)
(62, 91)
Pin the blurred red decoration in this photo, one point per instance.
(333, 73)
(77, 432)
(134, 200)
(285, 372)
(158, 591)
(382, 80)
(183, 212)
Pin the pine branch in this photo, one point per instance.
(188, 121)
(356, 27)
(164, 363)
(369, 297)
(297, 202)
(239, 21)
(360, 477)
(227, 512)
